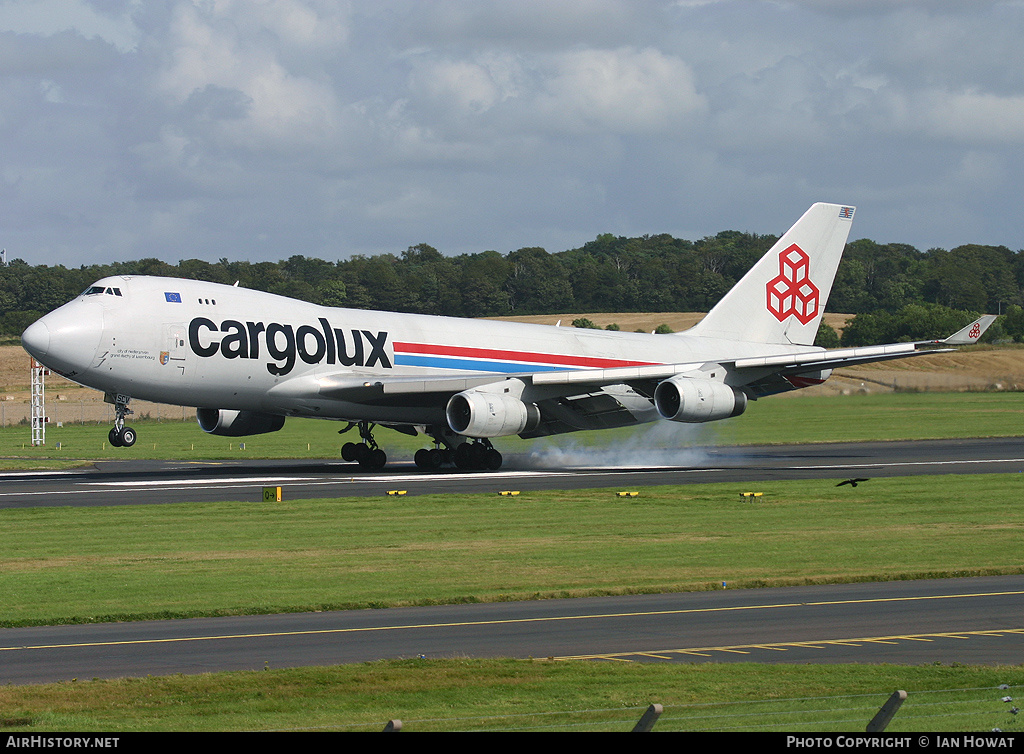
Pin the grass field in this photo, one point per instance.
(77, 564)
(525, 695)
(132, 562)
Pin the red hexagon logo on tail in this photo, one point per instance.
(791, 293)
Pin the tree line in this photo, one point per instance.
(896, 291)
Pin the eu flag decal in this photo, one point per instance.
(174, 298)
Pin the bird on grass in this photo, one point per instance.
(851, 482)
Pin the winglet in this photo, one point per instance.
(971, 333)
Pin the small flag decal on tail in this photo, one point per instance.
(846, 213)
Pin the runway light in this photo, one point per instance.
(627, 494)
(396, 492)
(751, 494)
(509, 492)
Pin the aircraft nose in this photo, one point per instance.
(36, 339)
(66, 339)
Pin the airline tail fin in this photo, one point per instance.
(782, 297)
(970, 334)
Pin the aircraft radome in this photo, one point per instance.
(247, 360)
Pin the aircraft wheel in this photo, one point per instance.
(492, 460)
(429, 459)
(128, 437)
(478, 456)
(373, 459)
(114, 437)
(464, 456)
(348, 451)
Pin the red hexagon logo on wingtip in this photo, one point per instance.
(791, 293)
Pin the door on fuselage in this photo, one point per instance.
(174, 354)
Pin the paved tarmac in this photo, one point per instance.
(155, 482)
(975, 621)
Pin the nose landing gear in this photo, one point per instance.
(121, 436)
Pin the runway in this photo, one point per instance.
(976, 620)
(157, 482)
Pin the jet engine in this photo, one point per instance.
(475, 413)
(686, 399)
(222, 421)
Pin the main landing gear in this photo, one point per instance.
(478, 455)
(449, 449)
(121, 436)
(367, 453)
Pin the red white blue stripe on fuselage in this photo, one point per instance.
(498, 360)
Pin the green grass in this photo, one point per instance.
(130, 562)
(881, 416)
(523, 695)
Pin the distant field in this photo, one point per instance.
(88, 564)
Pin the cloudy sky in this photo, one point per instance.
(257, 130)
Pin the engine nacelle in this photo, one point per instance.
(222, 421)
(475, 413)
(687, 399)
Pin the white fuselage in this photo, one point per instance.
(193, 343)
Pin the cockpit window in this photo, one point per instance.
(94, 289)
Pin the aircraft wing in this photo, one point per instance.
(781, 364)
(745, 371)
(759, 374)
(805, 361)
(574, 399)
(348, 387)
(593, 398)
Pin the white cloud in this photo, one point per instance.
(110, 22)
(622, 91)
(467, 87)
(974, 117)
(287, 103)
(241, 127)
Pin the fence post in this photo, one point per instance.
(649, 718)
(881, 720)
